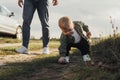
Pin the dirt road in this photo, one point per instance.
(19, 57)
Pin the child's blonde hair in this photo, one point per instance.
(65, 22)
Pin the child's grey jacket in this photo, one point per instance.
(64, 40)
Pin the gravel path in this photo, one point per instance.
(4, 59)
(19, 57)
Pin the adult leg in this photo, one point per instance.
(28, 12)
(42, 9)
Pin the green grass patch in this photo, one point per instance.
(9, 40)
(7, 51)
(45, 67)
(12, 70)
(34, 45)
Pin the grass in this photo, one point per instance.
(13, 40)
(45, 67)
(34, 45)
(9, 40)
(24, 69)
(108, 50)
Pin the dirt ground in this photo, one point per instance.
(21, 57)
(46, 73)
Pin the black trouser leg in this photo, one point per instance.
(83, 46)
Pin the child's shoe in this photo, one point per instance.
(22, 50)
(67, 59)
(87, 60)
(46, 50)
(86, 57)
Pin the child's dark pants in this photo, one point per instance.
(83, 46)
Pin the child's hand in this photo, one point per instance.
(88, 34)
(61, 59)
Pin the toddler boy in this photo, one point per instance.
(72, 36)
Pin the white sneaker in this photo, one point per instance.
(23, 50)
(46, 50)
(86, 58)
(67, 59)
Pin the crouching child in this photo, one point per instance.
(72, 36)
